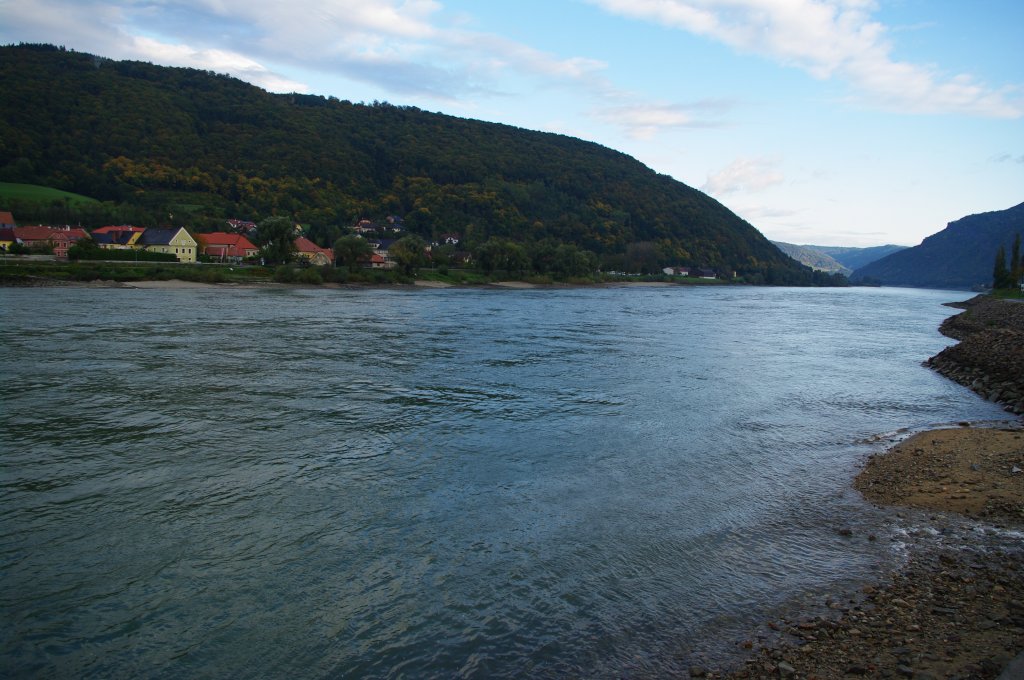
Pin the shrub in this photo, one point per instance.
(285, 274)
(310, 276)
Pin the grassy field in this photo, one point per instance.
(33, 192)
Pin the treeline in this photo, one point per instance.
(190, 147)
(1008, 276)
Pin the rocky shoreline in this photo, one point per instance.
(955, 609)
(990, 356)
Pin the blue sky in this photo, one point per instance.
(831, 122)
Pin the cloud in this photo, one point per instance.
(398, 45)
(828, 39)
(744, 174)
(220, 61)
(643, 121)
(1007, 158)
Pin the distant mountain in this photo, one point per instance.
(838, 259)
(854, 258)
(207, 147)
(959, 256)
(813, 256)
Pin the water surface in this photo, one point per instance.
(438, 483)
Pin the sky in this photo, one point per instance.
(826, 122)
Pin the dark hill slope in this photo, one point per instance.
(959, 256)
(211, 147)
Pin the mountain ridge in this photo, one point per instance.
(835, 259)
(959, 256)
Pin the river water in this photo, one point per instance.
(440, 483)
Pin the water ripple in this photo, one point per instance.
(438, 483)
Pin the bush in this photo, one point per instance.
(310, 276)
(285, 274)
(334, 274)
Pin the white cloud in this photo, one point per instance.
(398, 45)
(828, 38)
(644, 121)
(220, 61)
(744, 174)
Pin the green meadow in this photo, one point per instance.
(33, 192)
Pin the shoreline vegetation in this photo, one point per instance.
(955, 608)
(26, 272)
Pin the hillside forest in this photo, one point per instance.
(184, 147)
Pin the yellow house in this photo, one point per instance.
(312, 253)
(117, 238)
(174, 241)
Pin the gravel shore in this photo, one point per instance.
(955, 609)
(990, 357)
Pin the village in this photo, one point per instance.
(238, 244)
(235, 245)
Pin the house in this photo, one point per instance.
(365, 227)
(706, 273)
(225, 246)
(173, 241)
(56, 239)
(676, 271)
(242, 227)
(120, 237)
(6, 220)
(62, 238)
(7, 238)
(449, 239)
(34, 237)
(381, 247)
(312, 253)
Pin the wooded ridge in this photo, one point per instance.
(196, 148)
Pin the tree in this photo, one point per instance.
(276, 238)
(1016, 265)
(1000, 274)
(410, 252)
(349, 250)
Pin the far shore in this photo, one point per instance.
(181, 284)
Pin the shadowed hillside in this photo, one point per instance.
(959, 256)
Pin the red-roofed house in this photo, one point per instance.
(59, 239)
(6, 220)
(312, 253)
(225, 246)
(121, 227)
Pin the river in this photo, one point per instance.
(592, 482)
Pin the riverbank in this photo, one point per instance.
(179, 284)
(955, 609)
(990, 356)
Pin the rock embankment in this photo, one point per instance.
(990, 356)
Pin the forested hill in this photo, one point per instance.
(206, 147)
(960, 256)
